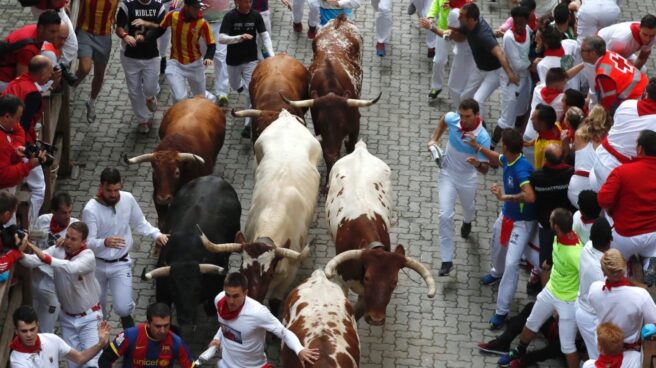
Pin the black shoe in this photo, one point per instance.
(465, 230)
(533, 288)
(69, 77)
(246, 132)
(127, 322)
(162, 66)
(446, 268)
(412, 9)
(434, 93)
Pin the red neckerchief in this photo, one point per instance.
(70, 256)
(17, 345)
(464, 130)
(635, 32)
(519, 38)
(609, 285)
(568, 239)
(646, 106)
(533, 21)
(555, 52)
(222, 309)
(609, 361)
(101, 199)
(550, 135)
(55, 228)
(549, 94)
(560, 166)
(457, 4)
(586, 220)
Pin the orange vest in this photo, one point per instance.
(630, 81)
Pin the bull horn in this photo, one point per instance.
(362, 103)
(210, 268)
(219, 248)
(250, 113)
(158, 272)
(424, 272)
(287, 253)
(190, 157)
(298, 104)
(345, 256)
(146, 157)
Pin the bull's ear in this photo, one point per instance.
(400, 250)
(314, 94)
(239, 237)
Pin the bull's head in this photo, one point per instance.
(380, 276)
(259, 260)
(166, 172)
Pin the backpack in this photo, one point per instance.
(8, 47)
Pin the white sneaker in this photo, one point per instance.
(151, 104)
(143, 127)
(91, 112)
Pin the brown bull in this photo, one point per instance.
(192, 134)
(335, 85)
(275, 76)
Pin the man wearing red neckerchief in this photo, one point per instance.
(54, 226)
(556, 53)
(30, 349)
(243, 324)
(628, 38)
(589, 211)
(612, 354)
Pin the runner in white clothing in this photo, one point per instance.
(30, 349)
(243, 323)
(612, 352)
(584, 218)
(111, 217)
(628, 38)
(557, 53)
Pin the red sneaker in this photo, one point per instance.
(312, 32)
(298, 27)
(380, 49)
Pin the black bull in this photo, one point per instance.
(212, 203)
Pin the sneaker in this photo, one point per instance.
(223, 101)
(434, 93)
(489, 279)
(380, 49)
(91, 112)
(151, 104)
(497, 321)
(446, 268)
(494, 347)
(506, 360)
(465, 230)
(246, 132)
(143, 127)
(412, 9)
(431, 53)
(298, 27)
(312, 32)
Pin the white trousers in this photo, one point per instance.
(69, 50)
(604, 163)
(178, 74)
(480, 86)
(514, 100)
(220, 66)
(643, 245)
(314, 17)
(240, 76)
(587, 324)
(47, 307)
(383, 9)
(37, 183)
(462, 68)
(449, 186)
(545, 306)
(595, 15)
(442, 50)
(81, 333)
(260, 43)
(142, 79)
(164, 43)
(505, 259)
(117, 278)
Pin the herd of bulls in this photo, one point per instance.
(287, 185)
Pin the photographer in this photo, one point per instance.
(9, 240)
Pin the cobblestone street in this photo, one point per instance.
(419, 332)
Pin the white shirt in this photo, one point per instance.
(243, 338)
(582, 230)
(628, 307)
(43, 275)
(572, 56)
(53, 349)
(104, 222)
(75, 280)
(632, 359)
(530, 133)
(517, 53)
(589, 272)
(619, 39)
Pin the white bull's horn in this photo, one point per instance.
(287, 253)
(352, 102)
(424, 272)
(345, 256)
(220, 248)
(210, 268)
(250, 113)
(158, 272)
(146, 157)
(298, 104)
(190, 157)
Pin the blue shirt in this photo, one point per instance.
(515, 175)
(457, 151)
(140, 351)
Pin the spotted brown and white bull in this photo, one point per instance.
(358, 209)
(273, 77)
(335, 85)
(192, 134)
(318, 312)
(282, 207)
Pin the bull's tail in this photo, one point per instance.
(340, 19)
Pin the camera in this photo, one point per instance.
(8, 235)
(32, 150)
